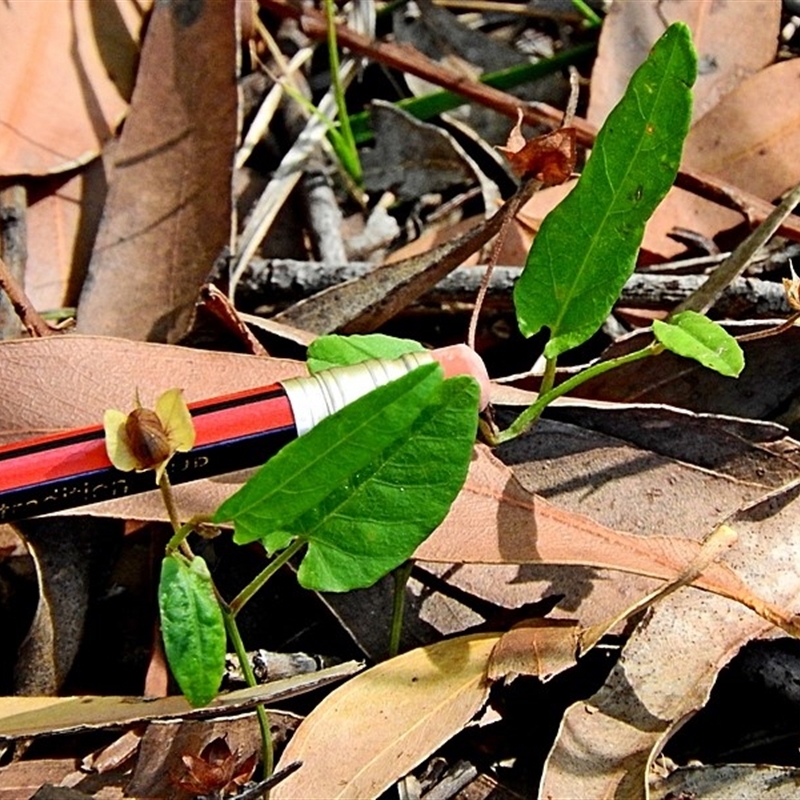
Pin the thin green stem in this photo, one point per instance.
(247, 670)
(549, 377)
(172, 512)
(169, 501)
(353, 162)
(239, 601)
(184, 530)
(592, 19)
(531, 414)
(401, 576)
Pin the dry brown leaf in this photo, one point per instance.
(550, 157)
(495, 520)
(22, 779)
(67, 73)
(160, 764)
(669, 665)
(769, 383)
(168, 212)
(362, 304)
(64, 382)
(751, 138)
(733, 41)
(62, 219)
(410, 705)
(546, 647)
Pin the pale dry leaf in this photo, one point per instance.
(409, 705)
(669, 664)
(32, 716)
(67, 69)
(733, 41)
(540, 647)
(168, 211)
(725, 781)
(495, 520)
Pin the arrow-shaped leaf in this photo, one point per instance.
(586, 247)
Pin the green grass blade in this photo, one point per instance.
(586, 248)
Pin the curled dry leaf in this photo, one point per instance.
(410, 705)
(550, 157)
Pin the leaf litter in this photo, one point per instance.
(624, 516)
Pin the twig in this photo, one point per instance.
(514, 204)
(30, 317)
(705, 297)
(408, 59)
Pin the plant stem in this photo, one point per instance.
(592, 20)
(238, 602)
(169, 502)
(179, 536)
(549, 377)
(531, 414)
(352, 163)
(184, 530)
(247, 670)
(401, 576)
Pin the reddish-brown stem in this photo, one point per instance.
(30, 317)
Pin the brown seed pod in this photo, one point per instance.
(147, 438)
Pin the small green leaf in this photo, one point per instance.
(586, 247)
(340, 351)
(692, 335)
(368, 484)
(192, 627)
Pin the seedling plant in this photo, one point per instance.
(362, 490)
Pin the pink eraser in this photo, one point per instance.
(459, 359)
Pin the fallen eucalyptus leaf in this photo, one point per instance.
(410, 705)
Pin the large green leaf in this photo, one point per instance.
(368, 484)
(192, 627)
(692, 335)
(338, 351)
(586, 248)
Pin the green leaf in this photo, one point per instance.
(586, 248)
(339, 351)
(692, 335)
(368, 484)
(192, 627)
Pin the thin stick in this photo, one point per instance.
(510, 212)
(29, 316)
(705, 297)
